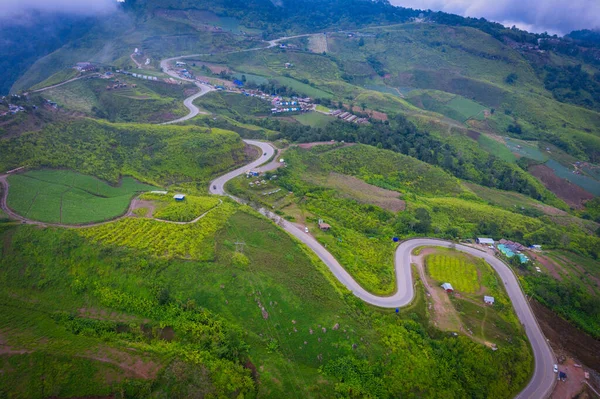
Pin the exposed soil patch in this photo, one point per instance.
(138, 204)
(445, 316)
(473, 134)
(549, 264)
(357, 189)
(5, 349)
(380, 116)
(564, 336)
(572, 194)
(251, 152)
(134, 366)
(550, 210)
(574, 383)
(102, 314)
(214, 68)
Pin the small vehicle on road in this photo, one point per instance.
(556, 368)
(214, 187)
(306, 229)
(265, 154)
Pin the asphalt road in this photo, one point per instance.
(543, 380)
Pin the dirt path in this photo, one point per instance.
(65, 82)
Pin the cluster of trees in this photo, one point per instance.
(569, 300)
(165, 154)
(572, 84)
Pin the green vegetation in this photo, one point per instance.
(314, 119)
(146, 102)
(61, 196)
(453, 268)
(188, 241)
(490, 324)
(57, 78)
(163, 155)
(233, 104)
(167, 208)
(192, 325)
(571, 288)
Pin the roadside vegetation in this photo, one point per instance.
(214, 325)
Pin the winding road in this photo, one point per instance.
(543, 380)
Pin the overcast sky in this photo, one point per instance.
(554, 16)
(12, 9)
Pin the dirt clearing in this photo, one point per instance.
(366, 193)
(572, 194)
(318, 44)
(564, 336)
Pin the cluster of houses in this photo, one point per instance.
(488, 300)
(508, 248)
(118, 85)
(12, 109)
(296, 104)
(348, 116)
(85, 67)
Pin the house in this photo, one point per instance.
(447, 287)
(180, 64)
(485, 241)
(179, 197)
(323, 226)
(489, 300)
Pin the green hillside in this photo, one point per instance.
(162, 155)
(464, 129)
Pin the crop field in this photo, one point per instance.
(455, 269)
(587, 183)
(314, 119)
(467, 108)
(167, 208)
(189, 241)
(60, 196)
(496, 147)
(303, 88)
(526, 149)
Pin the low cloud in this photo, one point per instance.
(553, 16)
(13, 10)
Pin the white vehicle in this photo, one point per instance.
(306, 229)
(556, 368)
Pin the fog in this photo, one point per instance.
(553, 16)
(15, 11)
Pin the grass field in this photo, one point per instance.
(453, 268)
(467, 108)
(60, 196)
(314, 119)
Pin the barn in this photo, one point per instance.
(447, 287)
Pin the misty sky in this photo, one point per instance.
(16, 8)
(554, 16)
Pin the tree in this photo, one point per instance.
(361, 42)
(423, 224)
(511, 78)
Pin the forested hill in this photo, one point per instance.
(23, 43)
